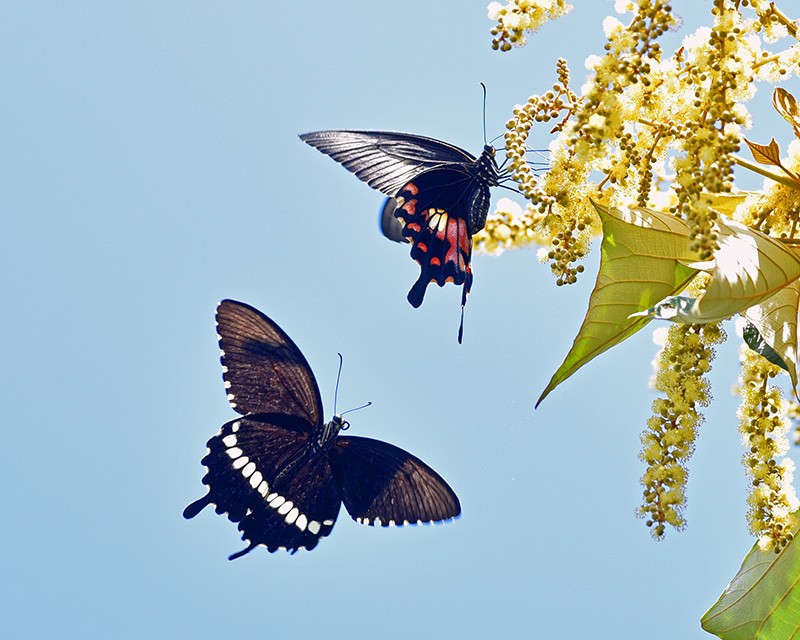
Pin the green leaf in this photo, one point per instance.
(726, 202)
(748, 268)
(755, 341)
(775, 320)
(642, 260)
(762, 602)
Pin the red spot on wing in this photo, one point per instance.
(422, 247)
(410, 207)
(411, 188)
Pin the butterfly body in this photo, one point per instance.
(282, 473)
(438, 196)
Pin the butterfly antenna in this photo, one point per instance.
(363, 406)
(484, 113)
(336, 389)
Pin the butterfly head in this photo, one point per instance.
(340, 423)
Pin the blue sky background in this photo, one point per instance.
(150, 167)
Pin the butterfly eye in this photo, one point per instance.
(345, 426)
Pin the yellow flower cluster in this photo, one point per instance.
(669, 439)
(518, 17)
(764, 425)
(659, 131)
(639, 112)
(774, 210)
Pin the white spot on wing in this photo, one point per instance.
(271, 497)
(235, 426)
(229, 441)
(277, 501)
(263, 488)
(292, 515)
(248, 469)
(301, 522)
(240, 462)
(313, 527)
(328, 523)
(255, 479)
(285, 507)
(234, 452)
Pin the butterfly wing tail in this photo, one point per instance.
(197, 506)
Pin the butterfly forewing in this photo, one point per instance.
(382, 484)
(261, 474)
(386, 160)
(263, 369)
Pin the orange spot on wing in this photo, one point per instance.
(436, 262)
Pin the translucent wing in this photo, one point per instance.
(390, 225)
(263, 369)
(261, 474)
(382, 484)
(386, 160)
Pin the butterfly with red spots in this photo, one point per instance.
(438, 197)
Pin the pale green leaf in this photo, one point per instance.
(762, 602)
(776, 321)
(725, 202)
(678, 309)
(748, 268)
(754, 340)
(642, 260)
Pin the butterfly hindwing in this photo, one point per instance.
(383, 484)
(390, 225)
(263, 369)
(261, 475)
(386, 160)
(435, 210)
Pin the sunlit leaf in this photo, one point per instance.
(642, 260)
(748, 268)
(765, 154)
(775, 319)
(755, 341)
(726, 202)
(762, 602)
(786, 105)
(678, 309)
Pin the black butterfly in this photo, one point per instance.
(279, 471)
(438, 197)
